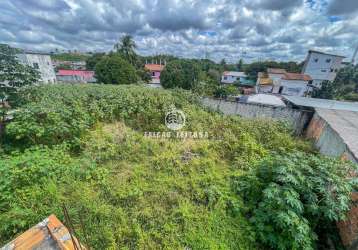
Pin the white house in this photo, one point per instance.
(41, 62)
(232, 76)
(278, 81)
(322, 66)
(294, 84)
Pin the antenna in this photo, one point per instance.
(354, 55)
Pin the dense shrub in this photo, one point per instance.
(290, 196)
(134, 192)
(113, 69)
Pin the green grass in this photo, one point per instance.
(84, 146)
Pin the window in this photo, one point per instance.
(36, 65)
(332, 69)
(323, 70)
(328, 60)
(316, 60)
(225, 77)
(153, 73)
(280, 90)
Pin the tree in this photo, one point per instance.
(144, 74)
(93, 60)
(13, 76)
(113, 69)
(328, 90)
(343, 87)
(126, 48)
(180, 73)
(240, 65)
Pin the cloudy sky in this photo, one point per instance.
(231, 29)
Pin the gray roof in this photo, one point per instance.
(322, 103)
(324, 53)
(345, 123)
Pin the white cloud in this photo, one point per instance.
(280, 29)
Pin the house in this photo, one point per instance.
(264, 83)
(233, 76)
(279, 81)
(81, 65)
(41, 62)
(322, 66)
(294, 84)
(75, 76)
(155, 70)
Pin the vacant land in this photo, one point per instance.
(84, 146)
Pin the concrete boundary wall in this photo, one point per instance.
(298, 119)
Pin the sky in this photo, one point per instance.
(282, 30)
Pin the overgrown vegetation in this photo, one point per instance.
(70, 56)
(85, 146)
(344, 87)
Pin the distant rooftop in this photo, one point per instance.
(234, 73)
(322, 103)
(296, 76)
(263, 99)
(276, 71)
(154, 67)
(34, 52)
(319, 52)
(77, 72)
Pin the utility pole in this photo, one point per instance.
(354, 55)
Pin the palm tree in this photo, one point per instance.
(126, 47)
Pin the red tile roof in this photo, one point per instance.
(276, 71)
(296, 76)
(70, 72)
(154, 67)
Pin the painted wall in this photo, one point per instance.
(296, 118)
(322, 67)
(293, 87)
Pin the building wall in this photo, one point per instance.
(265, 89)
(42, 63)
(329, 143)
(298, 119)
(229, 79)
(326, 140)
(325, 68)
(293, 87)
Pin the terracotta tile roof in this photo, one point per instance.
(296, 76)
(265, 81)
(71, 72)
(276, 71)
(154, 67)
(49, 234)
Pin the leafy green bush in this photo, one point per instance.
(290, 196)
(180, 74)
(134, 192)
(223, 91)
(113, 69)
